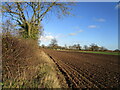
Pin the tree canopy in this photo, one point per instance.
(28, 15)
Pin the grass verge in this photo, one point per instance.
(108, 53)
(97, 52)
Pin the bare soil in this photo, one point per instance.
(87, 70)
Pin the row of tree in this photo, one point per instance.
(92, 47)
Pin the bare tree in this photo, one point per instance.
(8, 27)
(53, 43)
(86, 47)
(78, 47)
(65, 46)
(43, 46)
(102, 48)
(29, 15)
(94, 47)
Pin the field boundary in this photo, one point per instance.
(57, 71)
(62, 71)
(93, 52)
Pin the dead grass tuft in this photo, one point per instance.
(25, 66)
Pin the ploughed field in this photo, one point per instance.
(87, 70)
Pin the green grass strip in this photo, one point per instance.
(108, 53)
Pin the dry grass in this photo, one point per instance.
(25, 66)
(54, 77)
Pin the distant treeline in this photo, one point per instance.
(92, 47)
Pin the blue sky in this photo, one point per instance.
(93, 22)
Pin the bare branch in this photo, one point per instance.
(48, 9)
(30, 21)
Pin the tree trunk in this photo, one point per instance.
(29, 29)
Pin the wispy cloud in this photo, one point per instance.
(92, 26)
(117, 6)
(101, 20)
(72, 34)
(46, 38)
(80, 31)
(75, 33)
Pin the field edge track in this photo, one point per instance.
(62, 71)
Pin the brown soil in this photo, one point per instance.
(87, 70)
